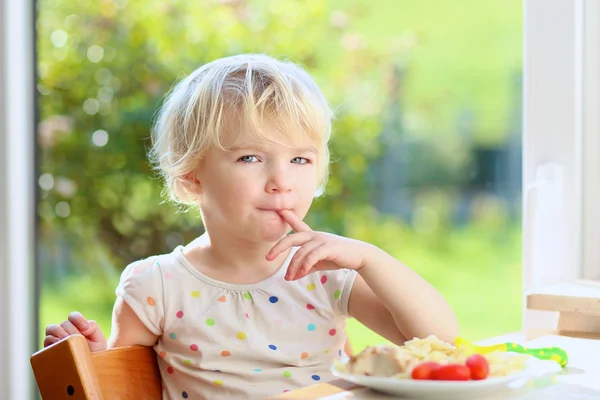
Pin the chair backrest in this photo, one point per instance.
(68, 370)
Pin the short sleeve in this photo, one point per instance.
(141, 287)
(338, 285)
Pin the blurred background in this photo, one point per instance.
(426, 147)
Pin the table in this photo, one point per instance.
(579, 380)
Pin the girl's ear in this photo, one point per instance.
(192, 183)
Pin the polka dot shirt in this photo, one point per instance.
(224, 341)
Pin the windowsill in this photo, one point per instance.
(579, 297)
(576, 303)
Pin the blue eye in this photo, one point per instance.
(248, 159)
(299, 160)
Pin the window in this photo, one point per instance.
(458, 214)
(590, 124)
(427, 138)
(561, 170)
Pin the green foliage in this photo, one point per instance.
(104, 67)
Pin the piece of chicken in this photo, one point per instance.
(382, 360)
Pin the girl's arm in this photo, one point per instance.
(395, 302)
(127, 329)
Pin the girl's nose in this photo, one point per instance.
(279, 181)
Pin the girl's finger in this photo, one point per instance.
(50, 340)
(314, 256)
(294, 222)
(89, 329)
(69, 328)
(79, 321)
(299, 257)
(294, 239)
(94, 333)
(55, 330)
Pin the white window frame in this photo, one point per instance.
(17, 212)
(591, 141)
(561, 172)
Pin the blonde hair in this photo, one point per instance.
(261, 93)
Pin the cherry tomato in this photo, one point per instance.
(425, 370)
(452, 372)
(479, 366)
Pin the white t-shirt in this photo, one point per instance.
(225, 341)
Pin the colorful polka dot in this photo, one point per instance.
(332, 332)
(168, 275)
(247, 296)
(179, 314)
(188, 362)
(173, 336)
(287, 374)
(222, 299)
(210, 322)
(310, 306)
(337, 294)
(272, 347)
(162, 354)
(340, 352)
(324, 279)
(316, 378)
(218, 382)
(304, 355)
(257, 370)
(241, 336)
(217, 370)
(311, 286)
(247, 316)
(556, 357)
(195, 294)
(326, 351)
(286, 391)
(225, 353)
(151, 301)
(170, 370)
(194, 347)
(184, 395)
(273, 299)
(312, 327)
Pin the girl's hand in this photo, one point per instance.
(76, 324)
(318, 250)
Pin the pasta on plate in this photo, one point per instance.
(399, 361)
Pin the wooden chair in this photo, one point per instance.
(69, 370)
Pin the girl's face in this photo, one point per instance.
(241, 189)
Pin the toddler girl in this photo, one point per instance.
(246, 311)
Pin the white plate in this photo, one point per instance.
(426, 389)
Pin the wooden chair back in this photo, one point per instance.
(68, 370)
